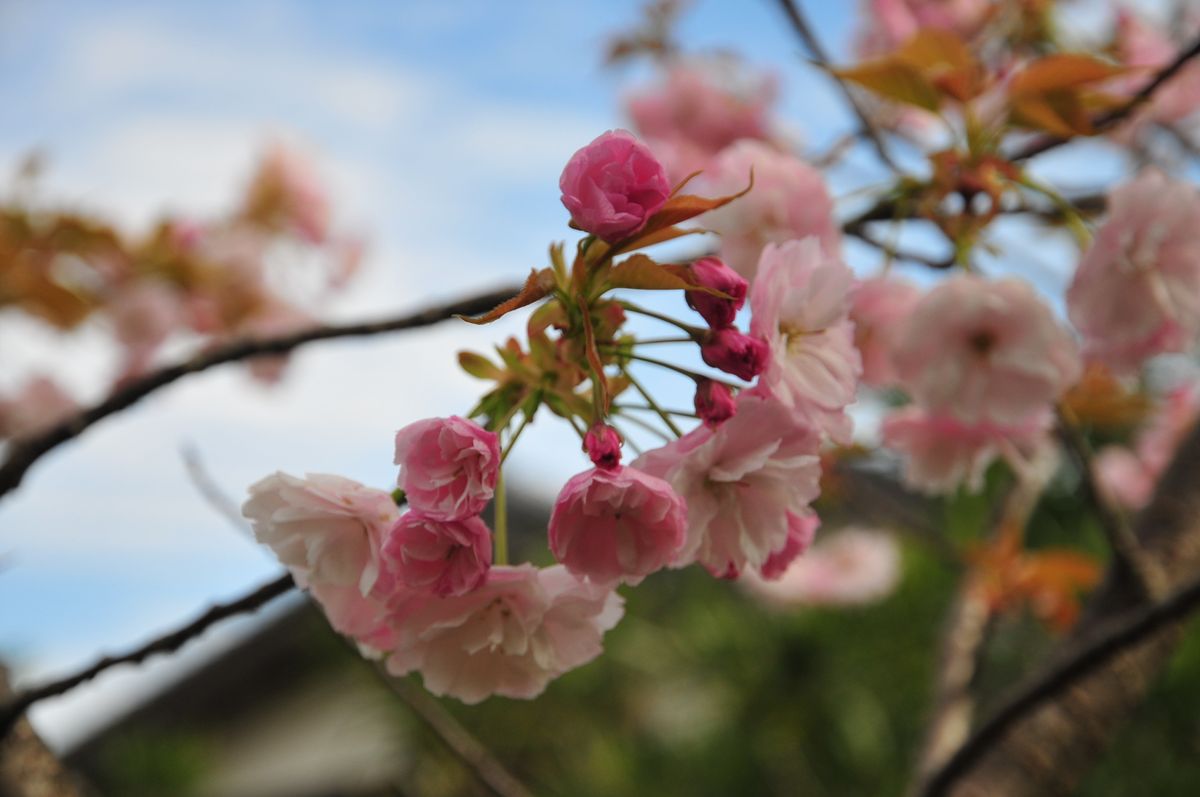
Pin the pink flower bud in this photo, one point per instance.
(613, 185)
(714, 402)
(735, 353)
(603, 445)
(444, 558)
(711, 272)
(617, 525)
(448, 466)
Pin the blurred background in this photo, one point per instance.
(439, 130)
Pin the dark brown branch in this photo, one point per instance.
(25, 452)
(1045, 738)
(1126, 551)
(169, 643)
(895, 253)
(1119, 114)
(821, 57)
(473, 753)
(1123, 633)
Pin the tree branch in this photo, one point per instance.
(168, 643)
(1115, 116)
(1123, 633)
(23, 453)
(1048, 734)
(821, 58)
(473, 753)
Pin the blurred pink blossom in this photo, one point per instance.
(789, 200)
(522, 628)
(887, 24)
(1136, 292)
(617, 525)
(878, 306)
(613, 186)
(800, 303)
(38, 405)
(740, 481)
(851, 567)
(801, 530)
(1140, 44)
(448, 466)
(286, 193)
(324, 528)
(144, 313)
(698, 110)
(1129, 476)
(942, 453)
(443, 557)
(985, 351)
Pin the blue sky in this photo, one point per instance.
(441, 128)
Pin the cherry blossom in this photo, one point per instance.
(448, 466)
(613, 186)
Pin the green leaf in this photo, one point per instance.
(479, 366)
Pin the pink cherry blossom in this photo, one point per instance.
(984, 351)
(1129, 476)
(38, 405)
(735, 352)
(273, 319)
(877, 307)
(740, 482)
(888, 24)
(144, 312)
(367, 619)
(800, 303)
(942, 453)
(1123, 477)
(1139, 44)
(613, 186)
(711, 272)
(1136, 292)
(801, 530)
(603, 446)
(448, 466)
(853, 566)
(789, 200)
(325, 528)
(443, 557)
(286, 193)
(522, 628)
(698, 110)
(714, 402)
(618, 524)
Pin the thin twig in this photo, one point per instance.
(168, 643)
(1122, 633)
(212, 494)
(1126, 550)
(896, 253)
(24, 453)
(1113, 117)
(470, 751)
(821, 58)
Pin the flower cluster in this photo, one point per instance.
(430, 588)
(212, 279)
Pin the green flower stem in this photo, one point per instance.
(648, 427)
(653, 404)
(501, 537)
(692, 331)
(676, 413)
(693, 375)
(513, 440)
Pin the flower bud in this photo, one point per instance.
(711, 272)
(714, 402)
(735, 353)
(613, 185)
(603, 445)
